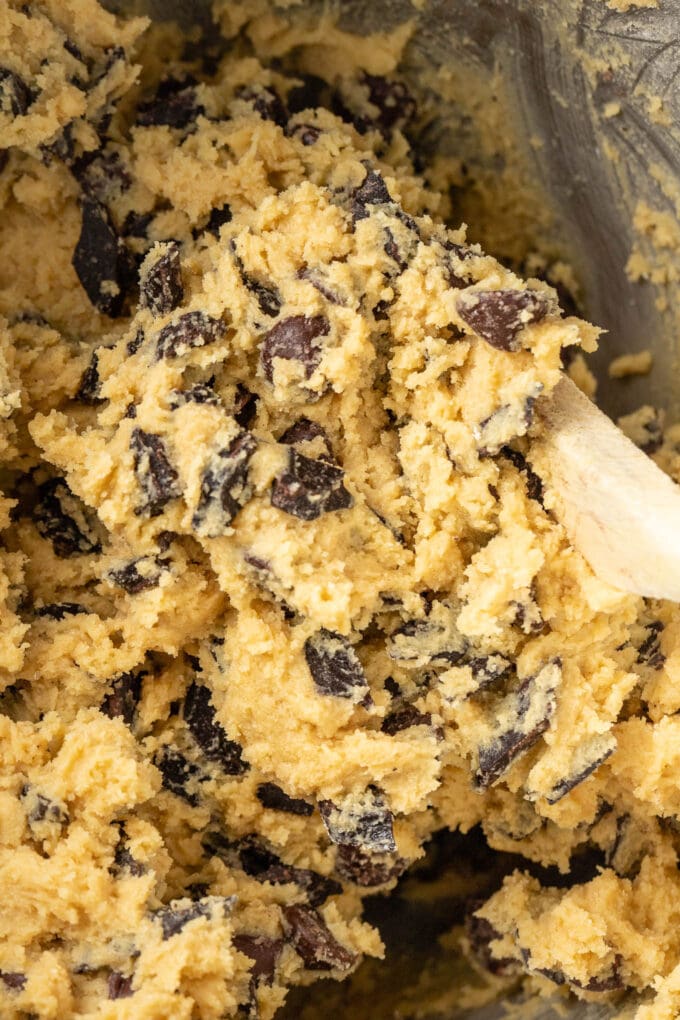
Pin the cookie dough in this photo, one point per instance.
(281, 597)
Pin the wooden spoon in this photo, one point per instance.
(618, 508)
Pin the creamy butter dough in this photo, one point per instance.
(280, 594)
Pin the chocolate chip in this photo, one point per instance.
(263, 951)
(308, 134)
(139, 575)
(267, 296)
(178, 773)
(534, 485)
(175, 104)
(174, 919)
(123, 861)
(315, 278)
(367, 870)
(391, 249)
(610, 981)
(272, 796)
(498, 316)
(306, 431)
(363, 820)
(603, 748)
(434, 640)
(649, 652)
(395, 103)
(102, 174)
(310, 488)
(65, 521)
(371, 191)
(489, 671)
(218, 217)
(335, 666)
(259, 862)
(160, 280)
(88, 391)
(102, 261)
(480, 934)
(245, 406)
(200, 717)
(525, 715)
(124, 697)
(15, 95)
(199, 393)
(156, 476)
(60, 610)
(313, 941)
(225, 487)
(193, 329)
(293, 339)
(41, 808)
(136, 342)
(13, 979)
(119, 986)
(403, 719)
(317, 887)
(265, 101)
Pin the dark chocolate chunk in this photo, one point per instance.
(102, 261)
(225, 486)
(245, 406)
(649, 652)
(311, 93)
(60, 610)
(218, 217)
(178, 773)
(364, 821)
(263, 951)
(62, 518)
(156, 476)
(199, 393)
(123, 861)
(136, 342)
(272, 796)
(308, 134)
(173, 919)
(317, 887)
(124, 696)
(403, 718)
(434, 640)
(137, 576)
(13, 979)
(526, 713)
(15, 95)
(310, 488)
(193, 329)
(313, 941)
(317, 281)
(293, 339)
(391, 249)
(89, 387)
(609, 981)
(489, 671)
(160, 283)
(119, 986)
(480, 934)
(395, 103)
(528, 616)
(131, 411)
(259, 862)
(371, 191)
(265, 101)
(335, 666)
(267, 295)
(101, 174)
(367, 870)
(498, 316)
(41, 808)
(305, 431)
(533, 483)
(201, 719)
(603, 748)
(136, 224)
(175, 104)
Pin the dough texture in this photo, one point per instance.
(280, 597)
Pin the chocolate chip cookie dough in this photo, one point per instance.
(281, 596)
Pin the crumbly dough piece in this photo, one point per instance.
(282, 597)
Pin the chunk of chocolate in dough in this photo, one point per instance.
(371, 191)
(306, 431)
(137, 576)
(13, 980)
(266, 295)
(363, 820)
(433, 640)
(533, 483)
(489, 671)
(119, 986)
(178, 774)
(310, 488)
(123, 861)
(587, 761)
(15, 95)
(294, 339)
(313, 941)
(525, 715)
(160, 280)
(60, 610)
(179, 913)
(225, 487)
(403, 718)
(365, 869)
(335, 666)
(88, 391)
(649, 652)
(245, 406)
(498, 316)
(191, 330)
(199, 393)
(65, 521)
(395, 103)
(156, 476)
(175, 104)
(124, 696)
(200, 717)
(272, 796)
(315, 277)
(259, 862)
(266, 102)
(102, 261)
(263, 951)
(480, 934)
(218, 217)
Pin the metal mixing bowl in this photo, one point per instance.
(565, 67)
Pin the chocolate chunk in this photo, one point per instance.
(263, 951)
(136, 224)
(13, 979)
(434, 640)
(89, 387)
(317, 887)
(259, 862)
(528, 616)
(609, 981)
(649, 652)
(102, 261)
(293, 339)
(310, 488)
(363, 821)
(201, 719)
(371, 191)
(525, 715)
(137, 576)
(367, 870)
(313, 941)
(177, 773)
(245, 406)
(156, 476)
(395, 103)
(308, 134)
(173, 919)
(41, 808)
(311, 93)
(404, 718)
(65, 521)
(218, 217)
(533, 483)
(490, 671)
(335, 666)
(391, 249)
(306, 431)
(498, 316)
(589, 759)
(60, 610)
(124, 696)
(480, 934)
(102, 174)
(193, 329)
(265, 101)
(199, 393)
(315, 278)
(267, 295)
(136, 342)
(15, 95)
(272, 796)
(175, 104)
(225, 487)
(123, 861)
(160, 281)
(119, 986)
